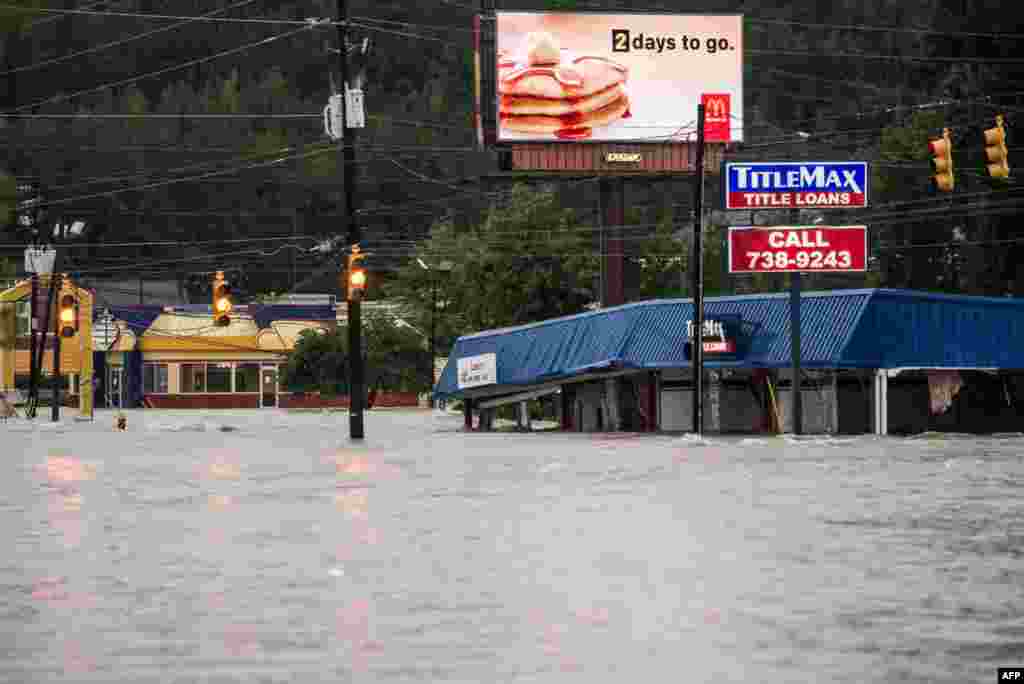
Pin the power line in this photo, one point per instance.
(896, 58)
(160, 72)
(887, 29)
(166, 17)
(119, 42)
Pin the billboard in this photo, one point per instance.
(618, 77)
(814, 249)
(796, 185)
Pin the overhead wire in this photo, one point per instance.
(160, 72)
(119, 42)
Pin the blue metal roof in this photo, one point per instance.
(839, 329)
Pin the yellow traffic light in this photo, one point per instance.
(995, 150)
(942, 162)
(221, 301)
(68, 314)
(356, 282)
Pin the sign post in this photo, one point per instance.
(795, 286)
(698, 276)
(796, 249)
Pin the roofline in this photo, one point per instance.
(880, 292)
(662, 302)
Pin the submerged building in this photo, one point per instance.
(873, 360)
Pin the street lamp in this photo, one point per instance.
(444, 267)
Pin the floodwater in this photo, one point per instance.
(276, 551)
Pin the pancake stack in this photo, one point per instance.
(556, 94)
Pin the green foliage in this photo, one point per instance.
(317, 363)
(524, 262)
(395, 358)
(905, 144)
(8, 198)
(15, 20)
(8, 273)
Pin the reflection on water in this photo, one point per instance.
(280, 552)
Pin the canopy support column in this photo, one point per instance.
(880, 402)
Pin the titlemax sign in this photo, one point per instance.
(796, 185)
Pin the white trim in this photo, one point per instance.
(893, 372)
(522, 396)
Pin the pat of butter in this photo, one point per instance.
(542, 48)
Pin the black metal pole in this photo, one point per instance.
(795, 286)
(55, 408)
(698, 279)
(33, 357)
(48, 316)
(433, 347)
(355, 343)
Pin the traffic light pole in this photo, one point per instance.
(33, 357)
(433, 334)
(697, 272)
(355, 345)
(55, 409)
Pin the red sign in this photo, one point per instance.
(717, 119)
(814, 249)
(720, 346)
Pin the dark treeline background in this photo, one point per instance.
(856, 94)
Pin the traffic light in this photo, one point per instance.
(942, 162)
(221, 300)
(995, 150)
(68, 312)
(356, 278)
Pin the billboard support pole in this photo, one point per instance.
(613, 191)
(795, 285)
(697, 272)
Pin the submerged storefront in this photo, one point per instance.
(175, 357)
(873, 361)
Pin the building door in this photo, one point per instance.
(115, 387)
(268, 387)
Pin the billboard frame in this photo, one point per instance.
(506, 145)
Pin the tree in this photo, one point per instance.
(526, 261)
(8, 273)
(395, 358)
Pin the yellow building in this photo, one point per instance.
(176, 357)
(76, 357)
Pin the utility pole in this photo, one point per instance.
(33, 361)
(433, 333)
(355, 346)
(795, 285)
(698, 279)
(57, 280)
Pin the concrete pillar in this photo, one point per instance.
(834, 408)
(611, 402)
(713, 414)
(880, 402)
(566, 408)
(524, 416)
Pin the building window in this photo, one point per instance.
(247, 377)
(218, 377)
(193, 378)
(23, 315)
(154, 378)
